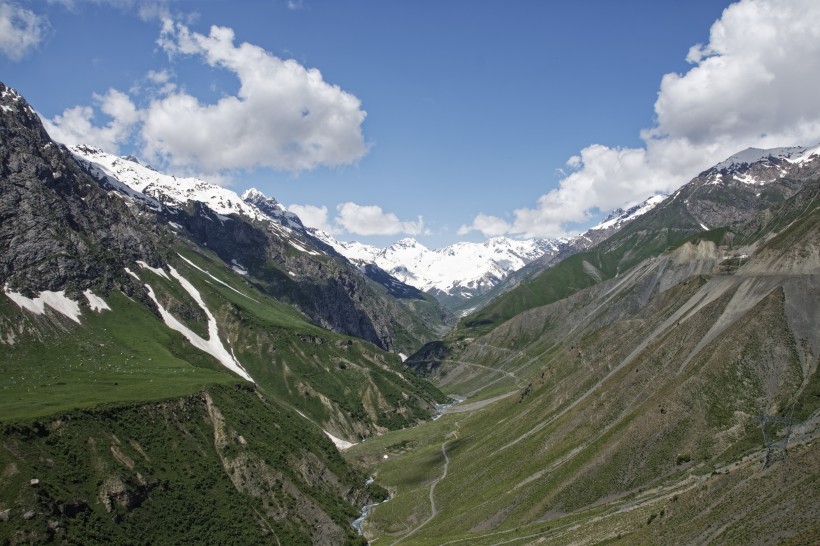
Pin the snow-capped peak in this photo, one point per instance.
(273, 209)
(462, 268)
(792, 154)
(157, 189)
(167, 189)
(253, 193)
(619, 217)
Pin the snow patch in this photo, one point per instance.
(213, 345)
(36, 305)
(132, 273)
(620, 217)
(154, 270)
(300, 248)
(95, 302)
(238, 267)
(340, 444)
(56, 300)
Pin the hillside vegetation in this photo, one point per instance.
(630, 409)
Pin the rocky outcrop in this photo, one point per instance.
(58, 228)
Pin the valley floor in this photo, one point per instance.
(738, 502)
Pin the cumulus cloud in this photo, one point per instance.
(21, 30)
(284, 116)
(372, 220)
(313, 216)
(355, 219)
(76, 125)
(753, 84)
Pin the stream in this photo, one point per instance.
(440, 409)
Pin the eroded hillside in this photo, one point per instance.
(632, 408)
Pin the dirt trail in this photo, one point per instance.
(433, 509)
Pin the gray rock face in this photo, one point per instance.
(58, 228)
(63, 229)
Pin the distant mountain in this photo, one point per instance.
(465, 276)
(454, 273)
(258, 237)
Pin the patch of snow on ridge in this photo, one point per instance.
(165, 187)
(61, 303)
(340, 444)
(620, 217)
(95, 302)
(238, 267)
(56, 300)
(156, 271)
(36, 305)
(213, 345)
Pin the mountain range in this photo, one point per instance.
(453, 274)
(456, 274)
(182, 364)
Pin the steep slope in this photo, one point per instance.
(220, 466)
(634, 408)
(58, 229)
(260, 239)
(118, 330)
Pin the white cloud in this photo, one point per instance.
(490, 226)
(147, 10)
(284, 116)
(372, 220)
(313, 216)
(294, 5)
(160, 82)
(21, 30)
(75, 125)
(754, 84)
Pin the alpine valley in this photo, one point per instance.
(181, 364)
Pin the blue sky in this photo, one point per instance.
(444, 121)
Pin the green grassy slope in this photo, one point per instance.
(122, 355)
(662, 228)
(635, 408)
